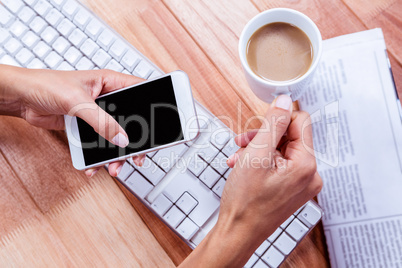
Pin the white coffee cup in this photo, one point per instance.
(269, 90)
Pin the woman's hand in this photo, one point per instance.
(42, 97)
(274, 174)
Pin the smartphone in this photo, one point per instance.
(155, 114)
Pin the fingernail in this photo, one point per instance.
(88, 172)
(283, 102)
(230, 158)
(142, 162)
(118, 170)
(93, 173)
(120, 140)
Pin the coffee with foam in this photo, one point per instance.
(279, 52)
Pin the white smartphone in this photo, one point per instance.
(155, 114)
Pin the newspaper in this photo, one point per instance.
(357, 129)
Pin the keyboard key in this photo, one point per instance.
(198, 237)
(82, 18)
(42, 7)
(260, 264)
(186, 203)
(30, 39)
(89, 48)
(219, 163)
(138, 184)
(273, 257)
(69, 8)
(151, 154)
(275, 235)
(53, 60)
(101, 58)
(114, 65)
(61, 45)
(151, 171)
(94, 28)
(2, 52)
(226, 175)
(297, 229)
(310, 215)
(209, 177)
(64, 66)
(286, 223)
(161, 204)
(24, 56)
(18, 28)
(57, 3)
(65, 27)
(41, 50)
(30, 2)
(179, 185)
(118, 49)
(219, 186)
(208, 152)
(49, 35)
(262, 248)
(77, 37)
(8, 60)
(125, 171)
(285, 244)
(54, 17)
(174, 216)
(196, 165)
(230, 148)
(166, 158)
(6, 18)
(106, 39)
(155, 74)
(12, 46)
(187, 228)
(208, 202)
(13, 5)
(220, 137)
(4, 36)
(38, 25)
(130, 60)
(84, 64)
(26, 15)
(36, 64)
(72, 55)
(143, 69)
(253, 259)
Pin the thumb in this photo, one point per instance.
(103, 124)
(274, 126)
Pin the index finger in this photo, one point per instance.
(274, 126)
(242, 140)
(300, 137)
(114, 80)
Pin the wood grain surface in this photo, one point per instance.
(52, 215)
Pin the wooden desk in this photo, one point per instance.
(52, 215)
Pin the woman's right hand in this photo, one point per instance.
(274, 174)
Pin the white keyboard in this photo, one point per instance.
(181, 184)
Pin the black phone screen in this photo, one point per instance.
(148, 113)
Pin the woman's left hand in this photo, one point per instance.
(42, 97)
